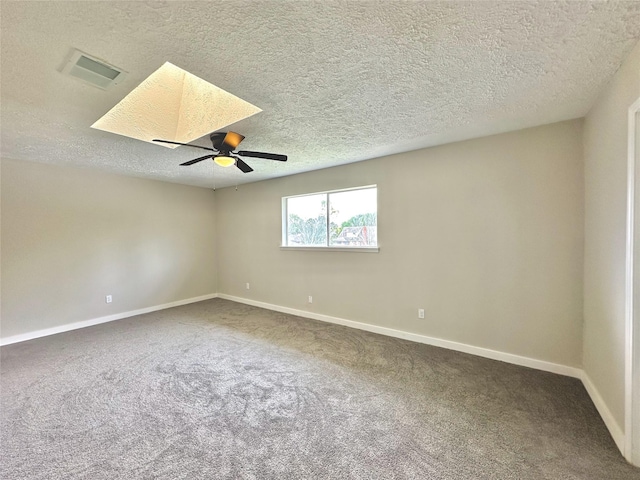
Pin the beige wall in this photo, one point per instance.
(486, 235)
(71, 236)
(605, 152)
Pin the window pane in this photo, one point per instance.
(307, 220)
(354, 218)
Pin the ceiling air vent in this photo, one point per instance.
(93, 71)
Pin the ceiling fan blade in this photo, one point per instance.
(232, 140)
(195, 160)
(185, 144)
(268, 156)
(243, 166)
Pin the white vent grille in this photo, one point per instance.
(93, 71)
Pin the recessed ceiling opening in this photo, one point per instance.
(93, 71)
(173, 104)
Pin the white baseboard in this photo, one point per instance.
(616, 432)
(614, 429)
(437, 342)
(95, 321)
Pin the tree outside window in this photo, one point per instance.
(352, 220)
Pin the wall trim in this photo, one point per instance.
(415, 337)
(631, 413)
(23, 337)
(614, 429)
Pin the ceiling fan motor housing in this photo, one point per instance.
(217, 139)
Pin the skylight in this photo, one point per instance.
(174, 104)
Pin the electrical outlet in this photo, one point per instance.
(108, 299)
(248, 286)
(310, 299)
(421, 313)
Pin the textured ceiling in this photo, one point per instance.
(338, 81)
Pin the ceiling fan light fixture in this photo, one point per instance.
(224, 160)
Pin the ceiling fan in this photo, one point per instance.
(223, 145)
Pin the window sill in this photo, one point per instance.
(333, 249)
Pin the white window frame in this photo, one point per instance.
(326, 248)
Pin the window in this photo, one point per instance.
(340, 218)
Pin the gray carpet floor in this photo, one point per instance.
(220, 390)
